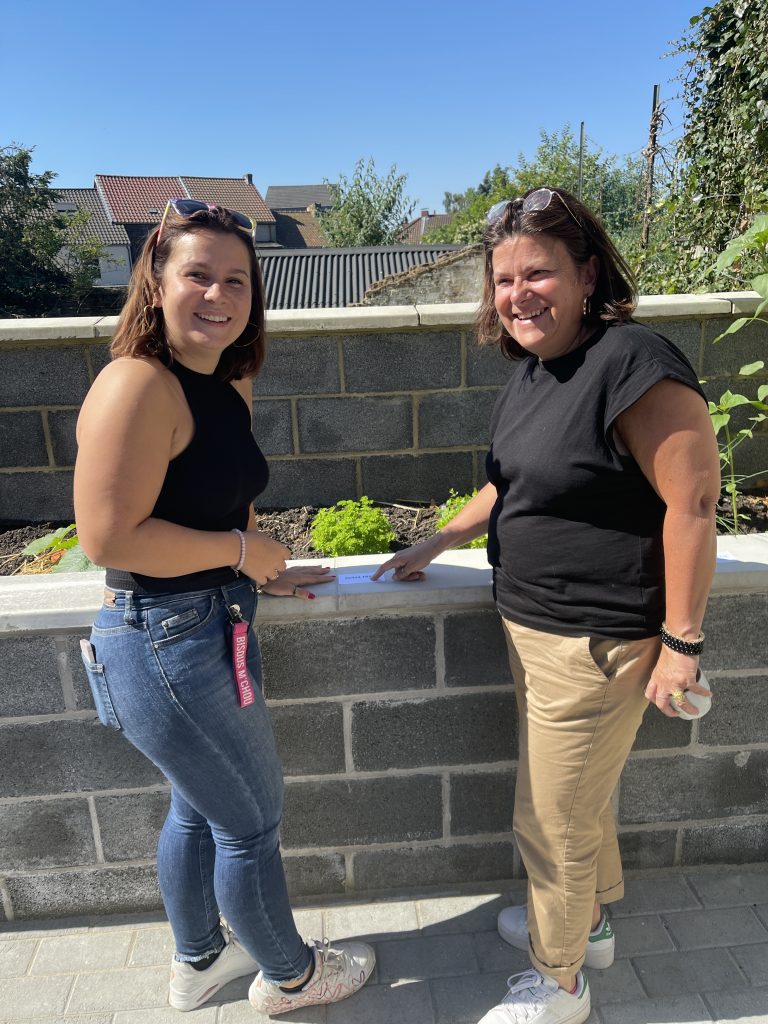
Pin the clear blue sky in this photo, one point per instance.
(296, 92)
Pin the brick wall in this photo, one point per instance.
(392, 402)
(395, 717)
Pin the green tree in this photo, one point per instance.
(367, 209)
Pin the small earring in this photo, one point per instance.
(586, 307)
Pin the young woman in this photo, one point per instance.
(166, 474)
(600, 515)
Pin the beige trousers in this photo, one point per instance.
(580, 703)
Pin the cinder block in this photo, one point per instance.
(355, 424)
(130, 825)
(29, 677)
(417, 477)
(296, 482)
(126, 889)
(272, 426)
(469, 729)
(315, 875)
(724, 358)
(456, 418)
(62, 426)
(36, 497)
(433, 865)
(100, 356)
(83, 695)
(732, 640)
(733, 718)
(685, 334)
(310, 738)
(716, 786)
(409, 361)
(43, 376)
(318, 659)
(482, 802)
(46, 833)
(336, 813)
(486, 364)
(707, 929)
(642, 850)
(475, 649)
(673, 973)
(658, 732)
(725, 843)
(22, 441)
(71, 756)
(299, 366)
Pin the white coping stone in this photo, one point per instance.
(447, 314)
(741, 302)
(59, 328)
(69, 601)
(665, 307)
(357, 318)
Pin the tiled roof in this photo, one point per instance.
(99, 225)
(234, 193)
(132, 199)
(325, 278)
(414, 231)
(297, 197)
(298, 229)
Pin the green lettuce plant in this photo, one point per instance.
(351, 528)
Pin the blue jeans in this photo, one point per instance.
(163, 677)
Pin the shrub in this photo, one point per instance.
(351, 528)
(451, 508)
(59, 551)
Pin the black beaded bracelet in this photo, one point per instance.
(676, 643)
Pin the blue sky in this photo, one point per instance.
(297, 92)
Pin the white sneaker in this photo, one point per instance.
(512, 924)
(532, 997)
(191, 988)
(339, 973)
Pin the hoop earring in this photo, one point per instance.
(586, 307)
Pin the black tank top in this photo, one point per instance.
(208, 486)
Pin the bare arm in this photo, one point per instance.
(471, 522)
(668, 432)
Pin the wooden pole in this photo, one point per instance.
(650, 155)
(581, 160)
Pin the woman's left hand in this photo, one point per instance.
(674, 672)
(291, 581)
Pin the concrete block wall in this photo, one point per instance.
(395, 717)
(392, 402)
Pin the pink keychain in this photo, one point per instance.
(239, 654)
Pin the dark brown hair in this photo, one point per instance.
(141, 329)
(615, 295)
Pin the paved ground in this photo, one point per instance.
(690, 947)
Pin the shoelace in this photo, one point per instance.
(330, 958)
(525, 990)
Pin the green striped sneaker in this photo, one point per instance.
(512, 924)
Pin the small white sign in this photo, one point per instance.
(355, 577)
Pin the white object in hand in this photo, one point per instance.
(702, 703)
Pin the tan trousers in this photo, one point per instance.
(580, 703)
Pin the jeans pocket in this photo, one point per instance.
(97, 681)
(166, 629)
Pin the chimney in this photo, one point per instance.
(248, 177)
(425, 213)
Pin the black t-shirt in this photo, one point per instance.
(575, 536)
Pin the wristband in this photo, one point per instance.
(676, 643)
(241, 560)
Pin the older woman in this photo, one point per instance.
(600, 511)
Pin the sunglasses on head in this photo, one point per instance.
(189, 207)
(532, 203)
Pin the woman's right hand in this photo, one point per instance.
(264, 557)
(409, 563)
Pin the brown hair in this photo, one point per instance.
(141, 330)
(568, 220)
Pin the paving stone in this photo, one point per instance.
(725, 843)
(310, 738)
(75, 1018)
(152, 947)
(420, 959)
(241, 1012)
(677, 1009)
(46, 833)
(319, 482)
(30, 997)
(420, 478)
(466, 1000)
(85, 891)
(444, 915)
(355, 424)
(699, 929)
(705, 970)
(43, 376)
(22, 441)
(372, 921)
(315, 875)
(732, 640)
(433, 865)
(408, 361)
(494, 954)
(617, 983)
(130, 825)
(334, 813)
(62, 424)
(134, 989)
(466, 729)
(648, 849)
(729, 888)
(15, 957)
(456, 418)
(41, 497)
(753, 960)
(165, 1015)
(101, 950)
(646, 895)
(747, 1007)
(733, 721)
(299, 366)
(29, 677)
(384, 1004)
(318, 659)
(272, 426)
(645, 934)
(475, 649)
(482, 802)
(309, 923)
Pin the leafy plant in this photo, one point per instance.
(351, 528)
(451, 508)
(59, 551)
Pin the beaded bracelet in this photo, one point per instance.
(676, 643)
(241, 560)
